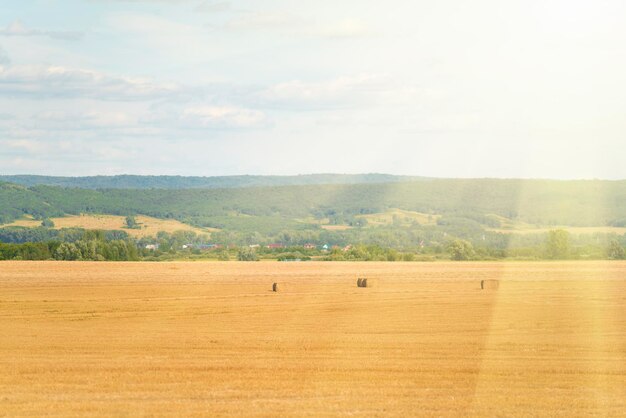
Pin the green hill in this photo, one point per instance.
(413, 211)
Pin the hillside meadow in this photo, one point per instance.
(147, 225)
(198, 339)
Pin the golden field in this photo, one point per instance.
(577, 230)
(210, 339)
(148, 226)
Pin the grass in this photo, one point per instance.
(570, 229)
(401, 216)
(148, 226)
(211, 339)
(336, 227)
(509, 226)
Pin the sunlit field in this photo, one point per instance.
(207, 339)
(147, 225)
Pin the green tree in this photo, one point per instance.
(223, 255)
(461, 250)
(67, 251)
(131, 222)
(408, 257)
(558, 245)
(616, 251)
(247, 254)
(47, 223)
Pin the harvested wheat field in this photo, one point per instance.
(210, 339)
(147, 225)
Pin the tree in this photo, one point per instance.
(558, 244)
(47, 223)
(223, 255)
(131, 222)
(461, 250)
(616, 251)
(247, 254)
(67, 251)
(408, 257)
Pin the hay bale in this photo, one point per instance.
(359, 282)
(489, 284)
(368, 283)
(275, 287)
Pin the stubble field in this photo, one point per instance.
(210, 339)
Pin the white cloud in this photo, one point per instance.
(213, 6)
(91, 119)
(274, 21)
(55, 81)
(4, 57)
(226, 116)
(153, 36)
(297, 25)
(347, 28)
(357, 90)
(173, 117)
(168, 2)
(149, 24)
(17, 28)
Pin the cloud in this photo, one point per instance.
(287, 23)
(265, 21)
(79, 120)
(339, 92)
(202, 116)
(18, 29)
(150, 24)
(149, 33)
(347, 28)
(222, 116)
(4, 57)
(55, 81)
(214, 6)
(169, 2)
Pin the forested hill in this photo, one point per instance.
(181, 182)
(258, 209)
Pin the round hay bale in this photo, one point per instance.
(489, 284)
(368, 283)
(359, 282)
(275, 287)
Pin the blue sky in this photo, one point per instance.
(219, 87)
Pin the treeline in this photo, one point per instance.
(93, 245)
(268, 210)
(19, 243)
(195, 182)
(92, 250)
(19, 234)
(420, 240)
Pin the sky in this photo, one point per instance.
(487, 88)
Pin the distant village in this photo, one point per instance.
(210, 247)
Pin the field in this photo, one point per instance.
(576, 230)
(148, 226)
(401, 216)
(210, 339)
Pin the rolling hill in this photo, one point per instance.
(395, 213)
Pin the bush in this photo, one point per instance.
(616, 251)
(558, 245)
(247, 254)
(461, 250)
(408, 257)
(47, 223)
